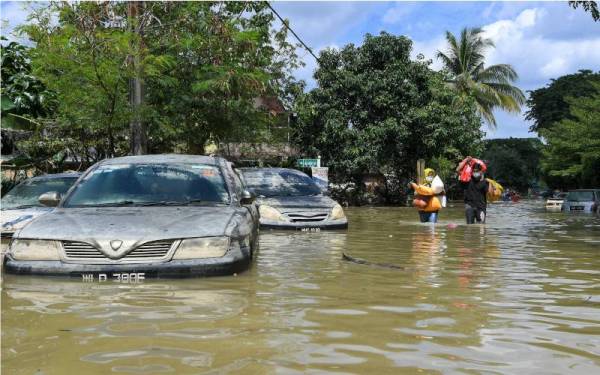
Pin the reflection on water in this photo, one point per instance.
(518, 295)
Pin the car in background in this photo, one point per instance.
(137, 217)
(289, 199)
(555, 203)
(21, 204)
(582, 200)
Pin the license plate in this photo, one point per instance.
(310, 229)
(117, 277)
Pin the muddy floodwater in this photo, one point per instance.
(520, 295)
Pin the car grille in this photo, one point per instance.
(147, 251)
(156, 249)
(306, 216)
(81, 250)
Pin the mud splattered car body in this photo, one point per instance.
(20, 205)
(289, 199)
(152, 215)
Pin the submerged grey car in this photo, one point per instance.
(143, 216)
(289, 199)
(20, 205)
(582, 200)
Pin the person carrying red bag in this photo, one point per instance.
(475, 186)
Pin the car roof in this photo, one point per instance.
(56, 176)
(164, 159)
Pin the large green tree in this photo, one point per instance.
(572, 155)
(377, 111)
(549, 105)
(491, 86)
(202, 65)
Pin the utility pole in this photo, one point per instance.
(138, 138)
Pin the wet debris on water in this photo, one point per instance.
(352, 259)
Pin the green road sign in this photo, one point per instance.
(305, 163)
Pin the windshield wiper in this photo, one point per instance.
(109, 204)
(22, 206)
(202, 201)
(179, 203)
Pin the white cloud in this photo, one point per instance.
(523, 42)
(429, 48)
(540, 43)
(398, 12)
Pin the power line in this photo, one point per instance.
(287, 26)
(293, 32)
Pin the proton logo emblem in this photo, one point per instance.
(116, 244)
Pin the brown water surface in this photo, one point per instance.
(519, 295)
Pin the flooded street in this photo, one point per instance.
(518, 295)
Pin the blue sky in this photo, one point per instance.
(542, 40)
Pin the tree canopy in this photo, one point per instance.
(549, 105)
(572, 156)
(203, 64)
(376, 110)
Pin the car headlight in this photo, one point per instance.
(337, 212)
(35, 250)
(270, 213)
(208, 247)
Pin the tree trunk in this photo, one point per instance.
(138, 138)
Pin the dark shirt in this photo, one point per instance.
(475, 193)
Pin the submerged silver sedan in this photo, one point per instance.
(289, 199)
(146, 216)
(20, 205)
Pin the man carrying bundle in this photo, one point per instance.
(429, 197)
(475, 188)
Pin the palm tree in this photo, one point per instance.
(492, 86)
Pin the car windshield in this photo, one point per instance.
(276, 183)
(26, 194)
(580, 196)
(150, 184)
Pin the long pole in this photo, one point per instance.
(138, 140)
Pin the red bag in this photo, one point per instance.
(467, 171)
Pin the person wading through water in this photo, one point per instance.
(475, 188)
(430, 197)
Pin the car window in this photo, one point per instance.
(142, 184)
(272, 183)
(580, 196)
(26, 194)
(239, 185)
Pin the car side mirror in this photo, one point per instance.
(50, 199)
(248, 197)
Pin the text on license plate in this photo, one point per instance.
(119, 277)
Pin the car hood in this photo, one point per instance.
(12, 220)
(309, 201)
(132, 225)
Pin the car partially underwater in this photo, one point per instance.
(289, 199)
(21, 205)
(555, 203)
(140, 217)
(582, 200)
